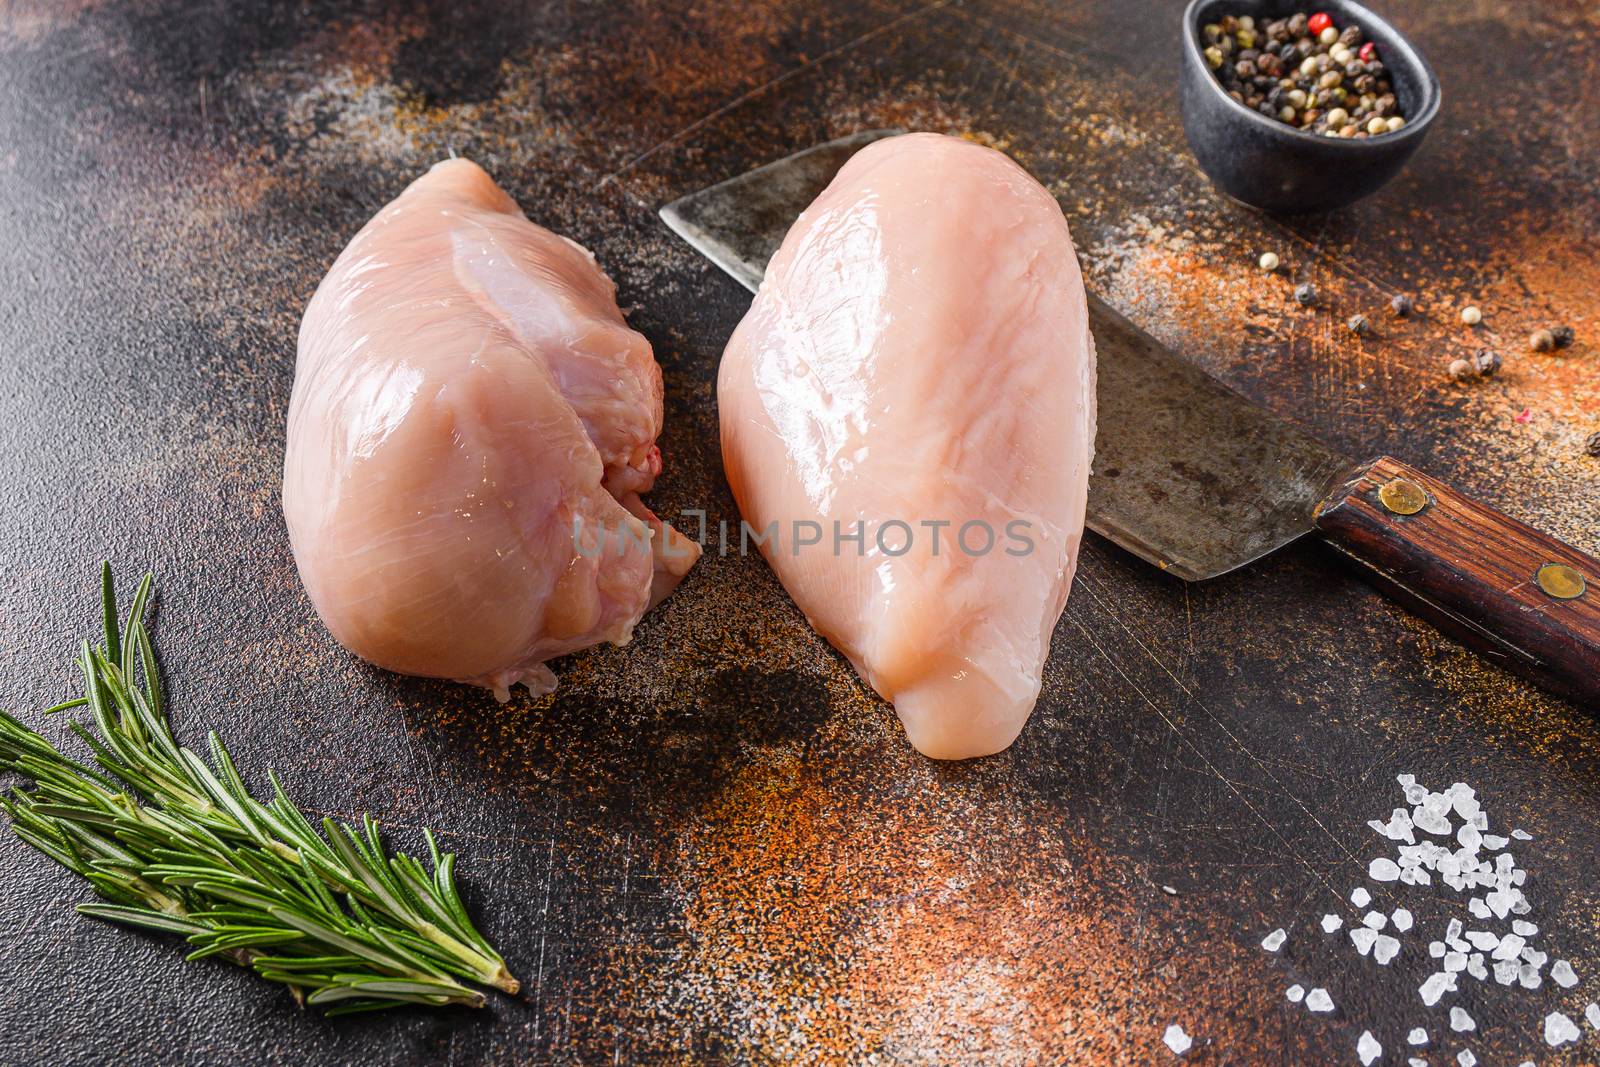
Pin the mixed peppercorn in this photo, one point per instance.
(1305, 72)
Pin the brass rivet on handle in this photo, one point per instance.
(1561, 581)
(1402, 496)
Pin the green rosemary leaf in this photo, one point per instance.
(150, 920)
(177, 844)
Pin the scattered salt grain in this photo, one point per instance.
(1178, 1041)
(1561, 974)
(1559, 1030)
(1484, 941)
(1455, 961)
(1528, 976)
(1385, 948)
(1416, 1061)
(1382, 870)
(1296, 993)
(1436, 949)
(1376, 920)
(1274, 941)
(1460, 1021)
(1402, 919)
(1318, 1000)
(1477, 968)
(1524, 928)
(1494, 842)
(1360, 897)
(1368, 1048)
(1466, 1058)
(1330, 923)
(1521, 835)
(1435, 987)
(1419, 1036)
(1510, 945)
(1169, 891)
(1592, 1013)
(1505, 972)
(1363, 938)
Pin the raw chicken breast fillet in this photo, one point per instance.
(919, 353)
(466, 394)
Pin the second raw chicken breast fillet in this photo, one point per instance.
(471, 427)
(919, 354)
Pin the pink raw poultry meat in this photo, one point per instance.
(919, 352)
(466, 393)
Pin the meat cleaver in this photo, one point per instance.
(1197, 480)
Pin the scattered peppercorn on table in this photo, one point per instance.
(714, 846)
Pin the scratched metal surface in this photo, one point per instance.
(715, 846)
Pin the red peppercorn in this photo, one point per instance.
(1319, 22)
(1368, 50)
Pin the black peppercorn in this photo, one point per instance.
(1488, 362)
(1305, 294)
(1401, 305)
(1297, 23)
(1592, 445)
(1350, 36)
(1562, 335)
(1541, 340)
(1359, 325)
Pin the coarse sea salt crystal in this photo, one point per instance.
(1460, 1021)
(1484, 940)
(1479, 909)
(1385, 948)
(1418, 1036)
(1360, 897)
(1402, 919)
(1178, 1041)
(1523, 928)
(1330, 923)
(1368, 1048)
(1296, 993)
(1382, 870)
(1435, 987)
(1561, 974)
(1274, 941)
(1528, 976)
(1363, 937)
(1505, 972)
(1510, 945)
(1592, 1013)
(1466, 1058)
(1494, 842)
(1559, 1030)
(1318, 1000)
(1416, 1061)
(1521, 834)
(1476, 967)
(1455, 961)
(1377, 920)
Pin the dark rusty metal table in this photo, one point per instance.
(715, 845)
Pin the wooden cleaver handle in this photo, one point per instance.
(1522, 598)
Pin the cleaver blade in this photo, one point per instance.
(1188, 474)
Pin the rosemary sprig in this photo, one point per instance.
(175, 843)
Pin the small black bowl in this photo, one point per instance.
(1270, 164)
